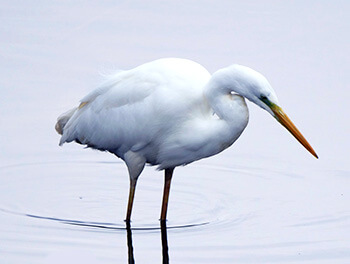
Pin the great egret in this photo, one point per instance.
(170, 112)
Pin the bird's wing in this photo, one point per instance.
(134, 108)
(112, 114)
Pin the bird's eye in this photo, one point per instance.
(263, 98)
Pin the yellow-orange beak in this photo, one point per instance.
(288, 124)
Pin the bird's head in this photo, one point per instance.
(255, 87)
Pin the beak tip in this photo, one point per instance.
(313, 153)
(288, 124)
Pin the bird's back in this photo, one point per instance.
(135, 109)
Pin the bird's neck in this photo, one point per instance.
(228, 106)
(232, 111)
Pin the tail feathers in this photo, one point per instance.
(62, 120)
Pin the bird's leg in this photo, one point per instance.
(167, 175)
(131, 199)
(135, 164)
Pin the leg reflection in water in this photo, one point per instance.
(130, 248)
(164, 239)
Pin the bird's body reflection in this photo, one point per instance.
(164, 240)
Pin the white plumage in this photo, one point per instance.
(169, 112)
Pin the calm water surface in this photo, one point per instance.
(265, 200)
(239, 213)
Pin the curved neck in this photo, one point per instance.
(233, 116)
(227, 106)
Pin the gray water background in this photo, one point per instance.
(264, 200)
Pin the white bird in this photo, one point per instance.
(169, 112)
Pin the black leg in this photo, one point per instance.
(168, 175)
(131, 199)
